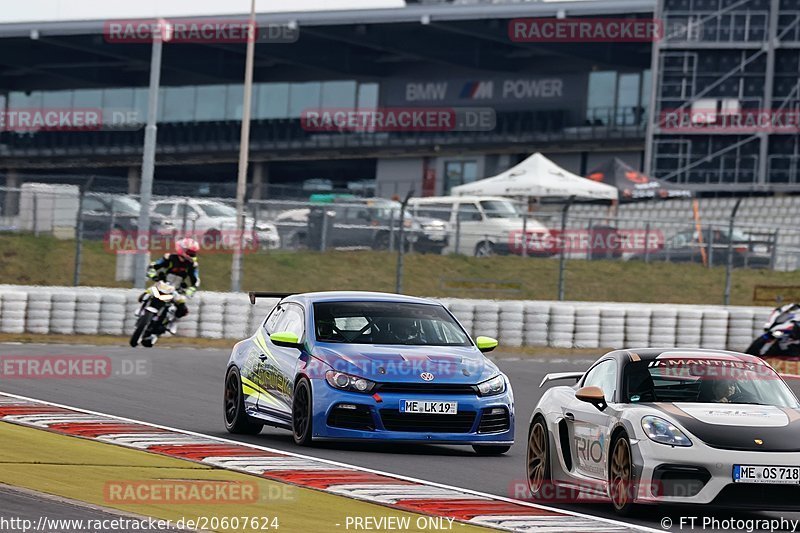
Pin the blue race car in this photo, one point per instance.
(368, 366)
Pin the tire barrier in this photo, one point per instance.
(600, 325)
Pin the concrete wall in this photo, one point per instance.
(86, 310)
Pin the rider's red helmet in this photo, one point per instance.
(187, 248)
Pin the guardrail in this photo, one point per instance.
(104, 311)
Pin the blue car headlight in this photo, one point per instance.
(664, 432)
(342, 381)
(491, 387)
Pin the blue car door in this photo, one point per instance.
(278, 364)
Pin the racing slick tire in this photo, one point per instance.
(538, 458)
(621, 486)
(490, 449)
(236, 418)
(141, 325)
(302, 413)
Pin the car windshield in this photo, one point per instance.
(218, 210)
(389, 323)
(705, 380)
(499, 209)
(124, 204)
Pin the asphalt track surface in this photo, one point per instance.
(182, 388)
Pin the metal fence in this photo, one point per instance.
(665, 231)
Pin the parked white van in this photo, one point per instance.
(482, 225)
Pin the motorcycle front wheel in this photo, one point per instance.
(141, 326)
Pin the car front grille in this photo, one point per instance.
(394, 420)
(759, 496)
(425, 388)
(494, 420)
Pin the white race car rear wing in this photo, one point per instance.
(561, 375)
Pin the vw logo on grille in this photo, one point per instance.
(427, 376)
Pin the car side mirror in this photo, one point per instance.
(592, 395)
(286, 339)
(486, 344)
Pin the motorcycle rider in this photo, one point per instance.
(183, 264)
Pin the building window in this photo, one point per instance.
(210, 103)
(272, 101)
(459, 173)
(303, 97)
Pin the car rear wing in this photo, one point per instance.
(561, 375)
(257, 294)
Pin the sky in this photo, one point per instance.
(61, 10)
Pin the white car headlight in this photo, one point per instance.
(490, 387)
(342, 381)
(664, 432)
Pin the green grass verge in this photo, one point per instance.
(25, 259)
(82, 470)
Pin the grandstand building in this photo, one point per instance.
(579, 102)
(727, 95)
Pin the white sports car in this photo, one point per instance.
(671, 425)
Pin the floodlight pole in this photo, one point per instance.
(398, 288)
(149, 155)
(729, 262)
(244, 150)
(562, 260)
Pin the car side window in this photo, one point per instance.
(469, 213)
(291, 320)
(603, 375)
(163, 209)
(272, 319)
(93, 204)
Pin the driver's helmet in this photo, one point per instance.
(723, 389)
(187, 248)
(405, 329)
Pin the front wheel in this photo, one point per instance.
(141, 326)
(302, 413)
(487, 449)
(538, 458)
(620, 478)
(236, 418)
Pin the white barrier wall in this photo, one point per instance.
(88, 310)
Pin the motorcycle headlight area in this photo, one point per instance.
(342, 381)
(664, 432)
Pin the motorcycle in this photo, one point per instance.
(781, 333)
(156, 314)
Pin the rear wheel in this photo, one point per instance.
(236, 418)
(302, 413)
(487, 449)
(141, 326)
(538, 457)
(620, 478)
(381, 242)
(484, 249)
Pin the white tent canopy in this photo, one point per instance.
(538, 177)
